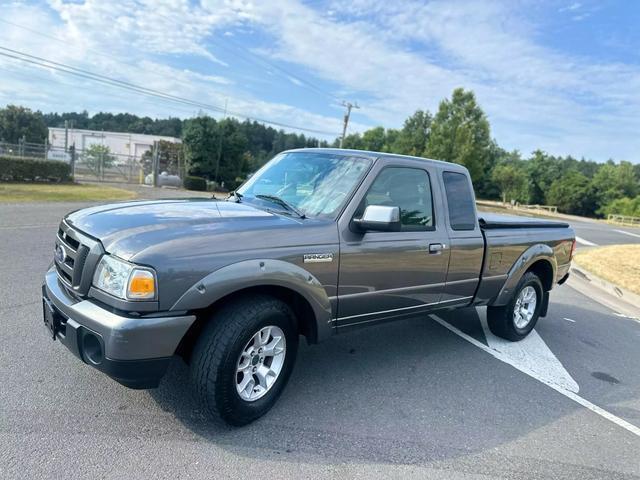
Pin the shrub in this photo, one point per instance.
(623, 206)
(16, 169)
(212, 186)
(195, 183)
(233, 184)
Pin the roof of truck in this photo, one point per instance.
(376, 155)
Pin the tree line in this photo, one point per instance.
(228, 150)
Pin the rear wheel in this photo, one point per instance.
(515, 320)
(244, 357)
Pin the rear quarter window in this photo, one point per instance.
(462, 212)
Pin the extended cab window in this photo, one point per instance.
(462, 212)
(407, 188)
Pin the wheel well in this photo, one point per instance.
(544, 271)
(304, 315)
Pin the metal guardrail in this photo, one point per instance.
(518, 206)
(624, 220)
(545, 208)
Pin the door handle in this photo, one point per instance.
(436, 248)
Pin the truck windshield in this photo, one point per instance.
(316, 184)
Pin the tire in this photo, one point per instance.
(218, 354)
(503, 321)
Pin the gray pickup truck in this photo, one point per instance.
(317, 242)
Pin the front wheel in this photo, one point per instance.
(244, 357)
(515, 320)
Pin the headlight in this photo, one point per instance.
(124, 280)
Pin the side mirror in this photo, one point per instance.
(379, 218)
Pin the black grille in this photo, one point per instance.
(68, 239)
(79, 263)
(75, 258)
(63, 275)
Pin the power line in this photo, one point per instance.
(50, 64)
(98, 77)
(247, 55)
(121, 96)
(259, 59)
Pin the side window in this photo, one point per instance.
(407, 188)
(462, 212)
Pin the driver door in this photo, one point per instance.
(391, 274)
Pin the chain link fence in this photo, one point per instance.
(164, 162)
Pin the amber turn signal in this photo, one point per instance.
(142, 285)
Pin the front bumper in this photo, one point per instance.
(135, 351)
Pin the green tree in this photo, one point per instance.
(572, 193)
(98, 158)
(217, 148)
(488, 188)
(623, 206)
(353, 141)
(169, 157)
(460, 133)
(414, 135)
(391, 139)
(200, 140)
(612, 182)
(374, 139)
(512, 182)
(543, 169)
(17, 123)
(234, 165)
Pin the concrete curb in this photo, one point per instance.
(619, 299)
(618, 292)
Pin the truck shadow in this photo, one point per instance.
(407, 392)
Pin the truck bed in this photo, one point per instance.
(507, 237)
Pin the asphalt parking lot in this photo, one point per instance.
(432, 397)
(591, 234)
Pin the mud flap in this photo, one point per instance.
(545, 305)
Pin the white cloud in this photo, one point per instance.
(135, 38)
(534, 96)
(571, 7)
(392, 57)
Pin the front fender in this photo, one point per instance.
(260, 272)
(533, 254)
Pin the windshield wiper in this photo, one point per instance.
(282, 203)
(236, 196)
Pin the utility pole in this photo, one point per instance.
(155, 163)
(349, 106)
(66, 135)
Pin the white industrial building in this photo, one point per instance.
(130, 144)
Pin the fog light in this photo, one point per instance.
(92, 348)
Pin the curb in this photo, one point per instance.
(632, 300)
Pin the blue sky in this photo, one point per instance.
(563, 76)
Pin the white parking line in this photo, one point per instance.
(532, 355)
(569, 320)
(628, 233)
(558, 388)
(586, 242)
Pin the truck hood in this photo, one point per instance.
(127, 229)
